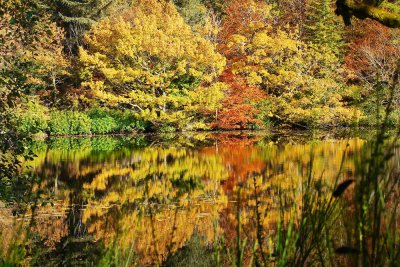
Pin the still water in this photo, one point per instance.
(166, 199)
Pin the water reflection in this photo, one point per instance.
(149, 196)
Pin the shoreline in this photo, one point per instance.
(274, 130)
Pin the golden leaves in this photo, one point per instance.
(152, 59)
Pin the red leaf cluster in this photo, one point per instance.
(238, 111)
(370, 48)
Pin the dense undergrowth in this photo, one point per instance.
(39, 120)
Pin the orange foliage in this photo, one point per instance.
(238, 156)
(371, 49)
(239, 15)
(238, 110)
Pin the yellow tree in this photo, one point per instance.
(39, 47)
(302, 81)
(148, 58)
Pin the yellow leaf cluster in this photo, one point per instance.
(151, 58)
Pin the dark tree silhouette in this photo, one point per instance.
(363, 9)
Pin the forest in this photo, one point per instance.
(77, 67)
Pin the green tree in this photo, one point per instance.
(322, 27)
(77, 16)
(193, 11)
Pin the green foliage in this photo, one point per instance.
(69, 143)
(14, 84)
(69, 122)
(101, 121)
(77, 16)
(323, 28)
(194, 253)
(374, 115)
(373, 9)
(95, 143)
(33, 118)
(193, 11)
(265, 106)
(127, 121)
(86, 12)
(217, 6)
(106, 121)
(166, 129)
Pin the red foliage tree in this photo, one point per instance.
(238, 110)
(372, 51)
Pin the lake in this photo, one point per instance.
(177, 199)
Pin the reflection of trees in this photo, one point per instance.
(154, 199)
(157, 202)
(275, 178)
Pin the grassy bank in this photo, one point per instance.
(36, 119)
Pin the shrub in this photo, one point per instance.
(94, 121)
(33, 118)
(102, 121)
(115, 121)
(69, 123)
(127, 121)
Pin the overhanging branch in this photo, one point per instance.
(363, 9)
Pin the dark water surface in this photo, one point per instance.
(166, 199)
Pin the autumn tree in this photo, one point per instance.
(34, 52)
(30, 59)
(301, 81)
(150, 60)
(31, 55)
(239, 110)
(293, 12)
(373, 51)
(371, 62)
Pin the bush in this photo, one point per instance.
(33, 118)
(115, 121)
(69, 122)
(102, 121)
(94, 121)
(128, 121)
